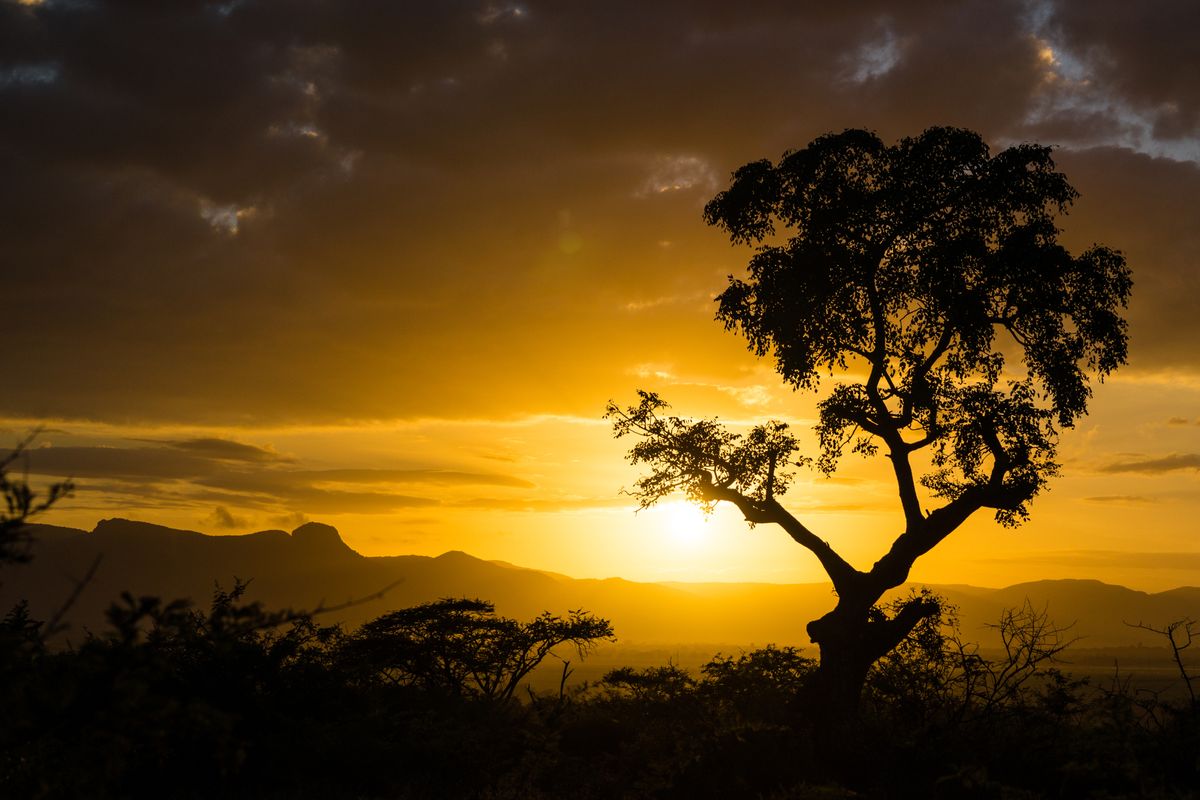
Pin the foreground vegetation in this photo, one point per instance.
(239, 701)
(432, 702)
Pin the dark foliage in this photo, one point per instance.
(239, 701)
(20, 502)
(460, 647)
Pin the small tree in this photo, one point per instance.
(461, 647)
(925, 280)
(21, 503)
(1180, 634)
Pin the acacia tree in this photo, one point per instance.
(460, 646)
(925, 282)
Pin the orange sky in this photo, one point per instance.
(384, 269)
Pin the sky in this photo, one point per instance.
(382, 264)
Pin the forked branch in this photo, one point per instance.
(710, 464)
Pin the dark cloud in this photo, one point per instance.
(1137, 51)
(94, 494)
(271, 495)
(126, 463)
(281, 480)
(222, 518)
(233, 474)
(312, 500)
(993, 58)
(428, 476)
(1179, 421)
(1145, 207)
(322, 211)
(223, 449)
(1155, 466)
(320, 492)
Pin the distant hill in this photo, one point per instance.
(312, 565)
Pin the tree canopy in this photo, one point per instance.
(928, 263)
(459, 646)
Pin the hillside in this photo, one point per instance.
(311, 566)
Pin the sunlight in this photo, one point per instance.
(685, 524)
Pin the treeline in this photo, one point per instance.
(430, 702)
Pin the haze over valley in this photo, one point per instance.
(312, 566)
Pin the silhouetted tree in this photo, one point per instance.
(1180, 634)
(21, 503)
(927, 275)
(461, 647)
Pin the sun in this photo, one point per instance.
(685, 524)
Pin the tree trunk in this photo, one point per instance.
(836, 689)
(842, 672)
(839, 681)
(851, 639)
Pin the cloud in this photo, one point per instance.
(701, 300)
(681, 173)
(1143, 206)
(1138, 57)
(1155, 466)
(185, 473)
(325, 492)
(1119, 499)
(545, 504)
(223, 449)
(425, 476)
(290, 521)
(311, 500)
(273, 212)
(1101, 559)
(229, 463)
(126, 463)
(282, 481)
(874, 58)
(222, 518)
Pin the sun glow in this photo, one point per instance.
(685, 524)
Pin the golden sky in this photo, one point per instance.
(382, 264)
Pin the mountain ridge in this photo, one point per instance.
(312, 566)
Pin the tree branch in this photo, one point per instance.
(887, 633)
(892, 570)
(906, 483)
(920, 372)
(887, 427)
(845, 578)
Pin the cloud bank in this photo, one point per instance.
(259, 211)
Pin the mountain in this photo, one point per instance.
(311, 566)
